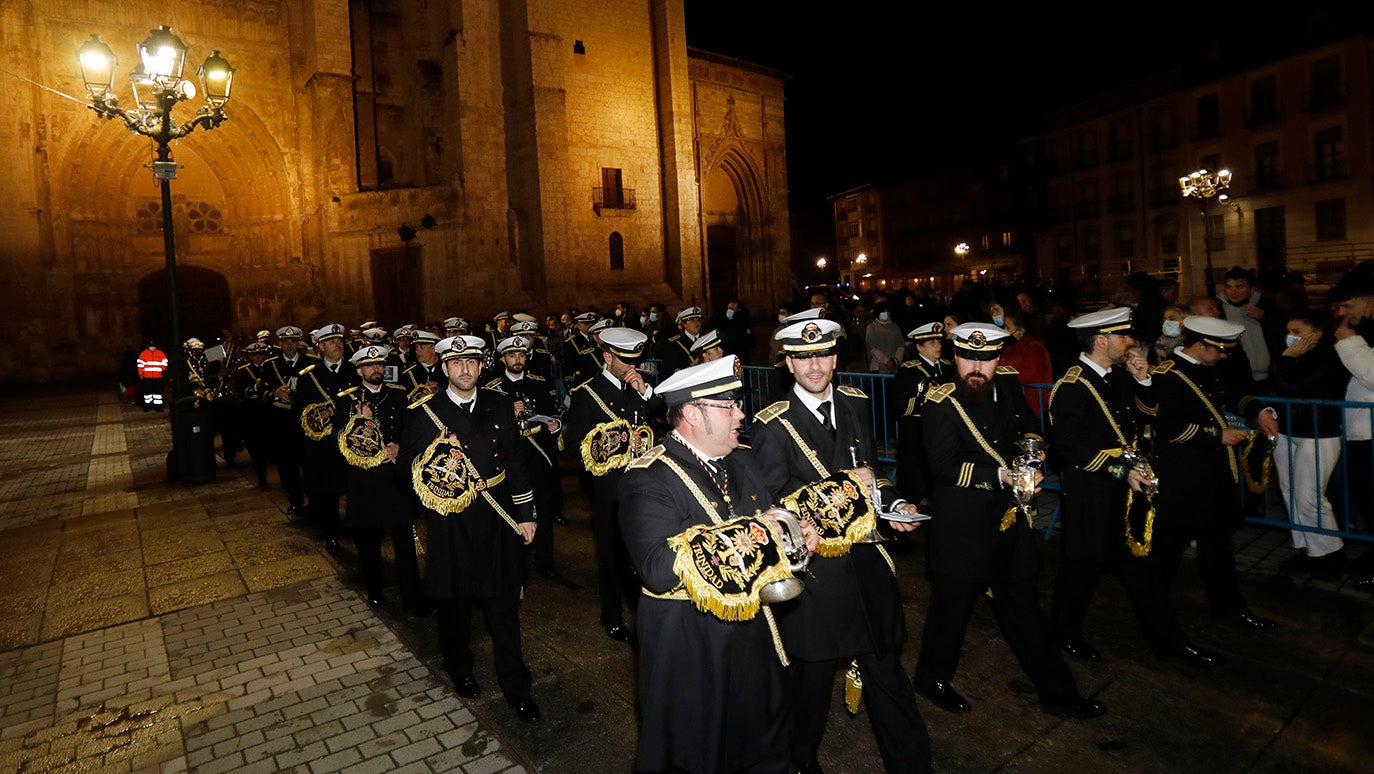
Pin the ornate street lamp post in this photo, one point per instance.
(157, 88)
(1206, 187)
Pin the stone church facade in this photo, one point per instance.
(403, 160)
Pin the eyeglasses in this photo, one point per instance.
(734, 404)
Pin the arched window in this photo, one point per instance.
(617, 251)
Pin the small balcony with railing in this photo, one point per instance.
(607, 201)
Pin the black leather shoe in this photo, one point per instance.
(619, 633)
(559, 519)
(1363, 583)
(332, 546)
(1248, 620)
(1194, 656)
(467, 687)
(943, 696)
(376, 601)
(1075, 707)
(295, 510)
(1082, 651)
(528, 711)
(422, 610)
(550, 572)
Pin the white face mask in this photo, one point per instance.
(1172, 328)
(1290, 339)
(729, 314)
(782, 318)
(884, 316)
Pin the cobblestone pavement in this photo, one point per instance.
(151, 626)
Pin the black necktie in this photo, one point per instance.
(824, 408)
(334, 368)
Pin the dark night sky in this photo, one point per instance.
(948, 80)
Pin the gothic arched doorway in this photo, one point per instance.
(202, 301)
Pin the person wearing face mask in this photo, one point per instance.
(1028, 356)
(883, 341)
(1309, 442)
(1171, 333)
(736, 335)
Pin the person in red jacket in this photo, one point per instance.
(1028, 355)
(152, 367)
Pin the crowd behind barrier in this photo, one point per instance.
(766, 384)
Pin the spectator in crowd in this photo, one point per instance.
(736, 333)
(1171, 333)
(1353, 298)
(1059, 340)
(951, 321)
(1168, 290)
(1030, 358)
(1243, 303)
(883, 341)
(1309, 442)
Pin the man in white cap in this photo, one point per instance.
(1198, 467)
(426, 374)
(1097, 410)
(979, 540)
(378, 503)
(280, 379)
(252, 408)
(402, 354)
(579, 359)
(712, 688)
(532, 395)
(460, 450)
(851, 614)
(675, 351)
(707, 347)
(539, 359)
(909, 386)
(324, 474)
(609, 422)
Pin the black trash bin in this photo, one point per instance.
(192, 460)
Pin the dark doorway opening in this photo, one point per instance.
(722, 261)
(396, 297)
(202, 304)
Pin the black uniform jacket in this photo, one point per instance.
(579, 359)
(1199, 478)
(418, 375)
(909, 386)
(278, 372)
(474, 553)
(589, 408)
(851, 603)
(1087, 435)
(965, 539)
(711, 691)
(378, 496)
(535, 391)
(322, 467)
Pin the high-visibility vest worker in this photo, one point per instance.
(152, 363)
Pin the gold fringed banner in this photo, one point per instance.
(724, 566)
(1143, 546)
(839, 507)
(1266, 465)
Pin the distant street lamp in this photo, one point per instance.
(157, 88)
(962, 250)
(1206, 187)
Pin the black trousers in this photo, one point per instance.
(1216, 562)
(286, 452)
(614, 578)
(324, 512)
(369, 543)
(898, 727)
(548, 505)
(1077, 583)
(1023, 623)
(502, 614)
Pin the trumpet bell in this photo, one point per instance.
(780, 591)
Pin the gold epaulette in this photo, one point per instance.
(1163, 368)
(937, 394)
(1070, 376)
(496, 389)
(647, 459)
(393, 386)
(421, 401)
(347, 392)
(744, 446)
(853, 392)
(910, 363)
(493, 384)
(772, 412)
(946, 361)
(1007, 370)
(535, 377)
(307, 369)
